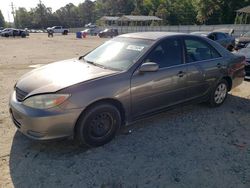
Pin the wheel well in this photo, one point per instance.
(114, 102)
(229, 81)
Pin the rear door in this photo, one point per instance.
(152, 91)
(204, 66)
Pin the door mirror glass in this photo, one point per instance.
(149, 67)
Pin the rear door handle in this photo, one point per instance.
(181, 73)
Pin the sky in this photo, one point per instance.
(54, 4)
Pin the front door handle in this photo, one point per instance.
(181, 74)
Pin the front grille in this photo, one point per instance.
(20, 95)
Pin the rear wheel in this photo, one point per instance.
(219, 94)
(23, 35)
(98, 125)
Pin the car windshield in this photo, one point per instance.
(247, 34)
(119, 53)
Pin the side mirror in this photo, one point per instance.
(149, 67)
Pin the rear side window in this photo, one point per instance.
(197, 50)
(212, 36)
(168, 53)
(220, 36)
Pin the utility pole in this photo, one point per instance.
(13, 13)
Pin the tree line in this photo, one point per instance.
(173, 12)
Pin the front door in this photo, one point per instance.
(151, 91)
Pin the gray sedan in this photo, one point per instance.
(127, 78)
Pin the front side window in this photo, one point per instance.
(197, 50)
(168, 53)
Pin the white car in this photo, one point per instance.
(59, 29)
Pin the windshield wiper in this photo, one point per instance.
(99, 65)
(96, 64)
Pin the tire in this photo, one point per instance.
(219, 94)
(65, 32)
(98, 125)
(230, 48)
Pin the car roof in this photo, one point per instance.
(200, 33)
(151, 35)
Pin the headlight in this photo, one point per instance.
(45, 101)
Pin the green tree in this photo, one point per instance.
(205, 8)
(41, 16)
(24, 18)
(2, 21)
(68, 16)
(87, 11)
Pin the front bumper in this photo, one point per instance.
(43, 124)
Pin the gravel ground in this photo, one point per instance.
(190, 146)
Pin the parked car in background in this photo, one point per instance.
(108, 33)
(7, 32)
(12, 32)
(90, 25)
(246, 52)
(242, 41)
(224, 39)
(1, 28)
(59, 29)
(127, 78)
(92, 31)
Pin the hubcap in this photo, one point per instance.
(100, 125)
(220, 93)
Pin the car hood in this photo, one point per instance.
(244, 39)
(245, 52)
(58, 75)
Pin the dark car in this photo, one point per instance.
(108, 33)
(127, 78)
(12, 32)
(242, 41)
(91, 31)
(246, 52)
(222, 38)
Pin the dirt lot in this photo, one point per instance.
(191, 146)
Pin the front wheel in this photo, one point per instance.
(219, 94)
(98, 125)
